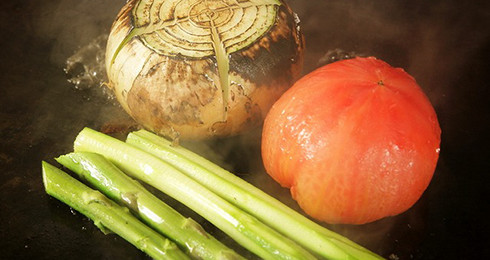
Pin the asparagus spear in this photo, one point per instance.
(106, 214)
(244, 228)
(109, 179)
(251, 199)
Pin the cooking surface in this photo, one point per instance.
(443, 44)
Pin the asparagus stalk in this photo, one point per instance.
(251, 199)
(106, 214)
(244, 228)
(109, 179)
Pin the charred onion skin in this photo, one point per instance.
(222, 88)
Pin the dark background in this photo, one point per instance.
(443, 44)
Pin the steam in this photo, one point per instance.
(86, 68)
(74, 31)
(74, 24)
(447, 41)
(432, 42)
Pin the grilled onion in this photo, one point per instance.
(196, 69)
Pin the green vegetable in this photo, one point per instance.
(249, 198)
(244, 228)
(109, 179)
(107, 215)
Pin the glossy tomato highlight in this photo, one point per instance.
(355, 141)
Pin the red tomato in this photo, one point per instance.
(356, 140)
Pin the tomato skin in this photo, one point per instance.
(355, 141)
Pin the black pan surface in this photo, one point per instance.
(443, 44)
